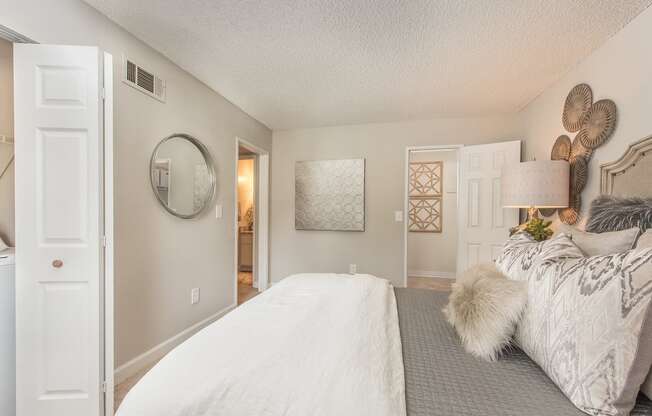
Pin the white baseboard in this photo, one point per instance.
(134, 365)
(430, 273)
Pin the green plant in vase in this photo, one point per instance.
(539, 229)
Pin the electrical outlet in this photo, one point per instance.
(218, 211)
(194, 296)
(398, 216)
(353, 268)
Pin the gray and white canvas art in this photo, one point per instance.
(329, 195)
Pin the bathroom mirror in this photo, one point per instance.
(182, 175)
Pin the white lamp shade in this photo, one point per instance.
(540, 184)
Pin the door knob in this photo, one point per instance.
(57, 263)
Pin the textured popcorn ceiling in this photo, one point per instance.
(313, 63)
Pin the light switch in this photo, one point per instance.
(398, 216)
(218, 211)
(194, 296)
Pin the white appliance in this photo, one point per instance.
(7, 333)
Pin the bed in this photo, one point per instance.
(325, 344)
(441, 379)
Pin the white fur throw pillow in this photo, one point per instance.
(484, 307)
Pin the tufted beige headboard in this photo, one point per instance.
(631, 174)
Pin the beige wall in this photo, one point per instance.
(619, 70)
(159, 258)
(436, 253)
(378, 250)
(6, 150)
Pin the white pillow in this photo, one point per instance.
(3, 245)
(645, 240)
(484, 307)
(601, 244)
(588, 322)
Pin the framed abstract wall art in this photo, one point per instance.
(329, 195)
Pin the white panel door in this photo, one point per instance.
(58, 119)
(483, 222)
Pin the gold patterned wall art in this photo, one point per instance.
(425, 185)
(425, 179)
(425, 215)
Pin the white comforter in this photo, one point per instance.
(314, 344)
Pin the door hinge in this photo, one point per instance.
(103, 241)
(103, 93)
(104, 387)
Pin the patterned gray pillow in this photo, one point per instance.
(521, 253)
(645, 241)
(588, 323)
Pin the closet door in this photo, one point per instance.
(58, 142)
(483, 223)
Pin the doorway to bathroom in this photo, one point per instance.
(247, 288)
(251, 219)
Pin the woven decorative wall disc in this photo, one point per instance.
(599, 124)
(578, 102)
(571, 214)
(547, 212)
(579, 150)
(561, 149)
(579, 172)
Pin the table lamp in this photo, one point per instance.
(536, 184)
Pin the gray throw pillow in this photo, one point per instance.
(610, 213)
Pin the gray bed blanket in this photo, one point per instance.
(442, 379)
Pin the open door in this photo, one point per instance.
(59, 144)
(483, 223)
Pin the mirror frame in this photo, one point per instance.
(211, 174)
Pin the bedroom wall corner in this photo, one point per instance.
(379, 249)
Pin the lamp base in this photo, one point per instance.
(536, 227)
(532, 213)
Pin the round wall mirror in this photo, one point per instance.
(182, 175)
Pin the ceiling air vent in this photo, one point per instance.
(143, 80)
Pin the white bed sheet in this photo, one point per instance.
(313, 344)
